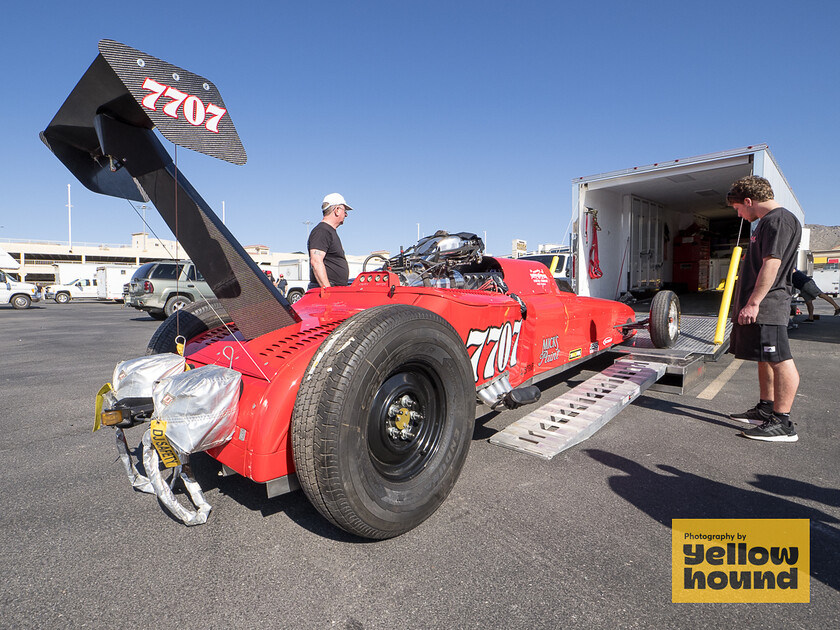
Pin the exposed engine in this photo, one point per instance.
(444, 260)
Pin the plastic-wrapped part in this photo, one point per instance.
(136, 378)
(199, 407)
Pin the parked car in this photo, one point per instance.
(18, 294)
(75, 289)
(163, 287)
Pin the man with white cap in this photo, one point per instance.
(327, 264)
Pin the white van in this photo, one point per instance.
(18, 294)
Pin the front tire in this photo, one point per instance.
(294, 295)
(62, 298)
(21, 301)
(664, 326)
(383, 420)
(189, 322)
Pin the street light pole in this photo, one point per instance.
(144, 226)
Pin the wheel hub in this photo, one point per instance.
(405, 422)
(403, 418)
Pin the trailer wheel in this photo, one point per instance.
(383, 420)
(21, 301)
(190, 321)
(294, 295)
(664, 324)
(62, 298)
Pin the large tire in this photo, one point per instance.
(21, 301)
(190, 321)
(664, 326)
(366, 464)
(176, 303)
(62, 298)
(294, 295)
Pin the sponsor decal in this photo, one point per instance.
(495, 349)
(192, 108)
(607, 341)
(540, 277)
(550, 350)
(593, 347)
(769, 348)
(167, 453)
(575, 354)
(740, 560)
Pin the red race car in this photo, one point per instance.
(366, 393)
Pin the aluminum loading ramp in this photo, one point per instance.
(576, 415)
(686, 360)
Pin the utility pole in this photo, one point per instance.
(144, 226)
(223, 212)
(418, 232)
(69, 220)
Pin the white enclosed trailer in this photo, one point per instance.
(642, 211)
(65, 273)
(110, 280)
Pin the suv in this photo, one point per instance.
(163, 287)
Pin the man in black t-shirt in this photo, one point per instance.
(327, 264)
(761, 308)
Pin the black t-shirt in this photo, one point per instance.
(799, 279)
(777, 236)
(324, 237)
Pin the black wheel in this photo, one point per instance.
(62, 298)
(383, 421)
(176, 303)
(157, 315)
(373, 257)
(21, 301)
(294, 295)
(190, 321)
(664, 326)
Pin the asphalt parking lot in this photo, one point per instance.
(583, 540)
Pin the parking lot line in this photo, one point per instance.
(716, 385)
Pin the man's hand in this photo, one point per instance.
(748, 314)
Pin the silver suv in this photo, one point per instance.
(163, 287)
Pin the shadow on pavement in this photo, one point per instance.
(678, 494)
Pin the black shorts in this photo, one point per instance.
(767, 343)
(810, 291)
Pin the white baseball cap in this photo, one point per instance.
(334, 199)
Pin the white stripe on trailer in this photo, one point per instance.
(577, 414)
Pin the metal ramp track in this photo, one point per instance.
(576, 415)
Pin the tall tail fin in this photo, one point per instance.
(103, 135)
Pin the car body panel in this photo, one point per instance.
(558, 328)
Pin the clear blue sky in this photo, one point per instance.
(458, 115)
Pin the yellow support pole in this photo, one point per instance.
(727, 294)
(554, 262)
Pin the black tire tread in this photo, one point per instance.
(190, 321)
(660, 306)
(321, 391)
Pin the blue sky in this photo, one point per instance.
(458, 115)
